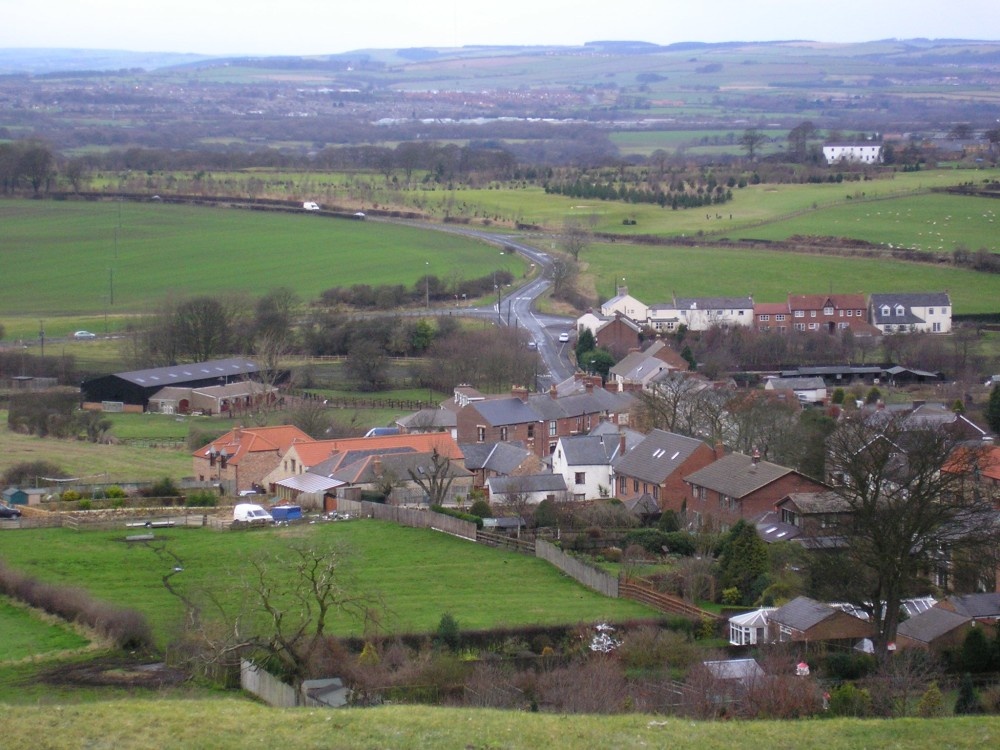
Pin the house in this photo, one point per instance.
(738, 486)
(936, 629)
(656, 467)
(830, 313)
(638, 368)
(618, 335)
(529, 489)
(984, 608)
(539, 420)
(807, 390)
(908, 312)
(804, 620)
(625, 304)
(749, 628)
(772, 316)
(701, 313)
(865, 152)
(241, 458)
(585, 462)
(815, 516)
(429, 420)
(376, 472)
(131, 391)
(486, 460)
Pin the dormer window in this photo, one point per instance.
(885, 310)
(900, 311)
(828, 311)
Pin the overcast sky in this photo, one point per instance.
(269, 27)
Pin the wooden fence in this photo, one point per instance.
(588, 575)
(649, 596)
(267, 687)
(491, 539)
(421, 519)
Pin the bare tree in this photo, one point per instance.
(563, 272)
(575, 238)
(909, 502)
(668, 403)
(751, 140)
(434, 479)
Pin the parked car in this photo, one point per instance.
(8, 511)
(84, 335)
(564, 337)
(251, 514)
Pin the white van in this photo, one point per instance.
(251, 514)
(310, 206)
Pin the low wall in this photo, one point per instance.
(421, 519)
(590, 577)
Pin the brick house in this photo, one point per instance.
(830, 313)
(657, 466)
(240, 459)
(739, 486)
(804, 620)
(539, 420)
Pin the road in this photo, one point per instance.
(517, 308)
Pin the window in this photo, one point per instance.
(850, 313)
(800, 313)
(552, 428)
(841, 312)
(789, 517)
(857, 313)
(656, 492)
(800, 326)
(889, 328)
(900, 311)
(580, 477)
(828, 311)
(813, 326)
(936, 327)
(842, 326)
(885, 311)
(531, 431)
(622, 485)
(930, 310)
(635, 485)
(481, 434)
(503, 433)
(779, 317)
(293, 465)
(765, 317)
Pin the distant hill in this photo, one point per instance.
(40, 61)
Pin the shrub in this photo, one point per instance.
(205, 499)
(844, 666)
(114, 492)
(448, 634)
(70, 496)
(848, 700)
(931, 702)
(85, 505)
(481, 508)
(458, 514)
(164, 488)
(967, 702)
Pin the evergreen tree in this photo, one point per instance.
(993, 410)
(585, 342)
(976, 652)
(743, 563)
(968, 700)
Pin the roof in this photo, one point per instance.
(644, 505)
(313, 452)
(817, 502)
(978, 606)
(309, 483)
(658, 456)
(737, 475)
(429, 419)
(819, 301)
(638, 366)
(713, 303)
(506, 411)
(240, 441)
(526, 483)
(502, 458)
(931, 624)
(177, 374)
(797, 384)
(370, 467)
(912, 299)
(802, 613)
(632, 437)
(757, 617)
(771, 529)
(590, 450)
(744, 670)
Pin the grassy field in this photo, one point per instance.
(421, 574)
(229, 723)
(26, 635)
(63, 258)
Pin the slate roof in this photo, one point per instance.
(638, 366)
(930, 625)
(506, 411)
(797, 384)
(713, 303)
(427, 419)
(527, 483)
(912, 299)
(599, 401)
(978, 606)
(802, 613)
(364, 471)
(657, 457)
(736, 475)
(590, 450)
(817, 502)
(644, 505)
(632, 437)
(503, 458)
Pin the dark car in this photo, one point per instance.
(7, 511)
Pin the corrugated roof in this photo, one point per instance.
(176, 374)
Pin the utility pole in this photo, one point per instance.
(41, 336)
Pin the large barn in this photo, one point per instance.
(131, 391)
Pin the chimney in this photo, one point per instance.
(377, 466)
(589, 385)
(621, 443)
(553, 392)
(519, 392)
(755, 457)
(237, 434)
(720, 450)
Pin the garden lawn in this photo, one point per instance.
(420, 574)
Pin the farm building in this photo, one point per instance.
(867, 152)
(132, 391)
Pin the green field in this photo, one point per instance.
(62, 258)
(421, 574)
(27, 636)
(227, 723)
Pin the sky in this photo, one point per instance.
(269, 27)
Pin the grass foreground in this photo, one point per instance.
(232, 723)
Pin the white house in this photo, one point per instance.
(866, 152)
(810, 390)
(625, 304)
(701, 313)
(591, 321)
(906, 312)
(584, 462)
(749, 628)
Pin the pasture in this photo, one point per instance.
(29, 635)
(420, 574)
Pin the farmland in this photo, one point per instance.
(420, 574)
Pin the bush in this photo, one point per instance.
(931, 703)
(481, 508)
(85, 505)
(70, 496)
(967, 702)
(844, 666)
(114, 492)
(458, 514)
(848, 700)
(203, 499)
(448, 634)
(164, 488)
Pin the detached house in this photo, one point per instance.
(739, 486)
(866, 152)
(905, 313)
(625, 304)
(637, 369)
(244, 456)
(805, 620)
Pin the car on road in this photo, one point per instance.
(563, 337)
(532, 345)
(8, 511)
(83, 335)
